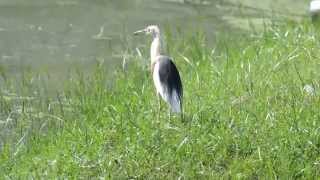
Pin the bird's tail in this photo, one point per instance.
(175, 102)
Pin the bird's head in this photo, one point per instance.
(149, 30)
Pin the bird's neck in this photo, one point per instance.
(155, 49)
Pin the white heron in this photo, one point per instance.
(164, 72)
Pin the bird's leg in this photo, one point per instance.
(158, 123)
(181, 114)
(159, 107)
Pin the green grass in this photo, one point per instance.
(247, 114)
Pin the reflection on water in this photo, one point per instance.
(55, 34)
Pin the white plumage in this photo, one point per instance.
(314, 6)
(161, 90)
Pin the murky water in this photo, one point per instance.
(54, 35)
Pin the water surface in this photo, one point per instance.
(53, 36)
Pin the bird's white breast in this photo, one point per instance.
(314, 6)
(157, 83)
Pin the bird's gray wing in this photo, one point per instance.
(169, 76)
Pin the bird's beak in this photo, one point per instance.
(139, 32)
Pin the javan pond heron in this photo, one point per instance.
(164, 72)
